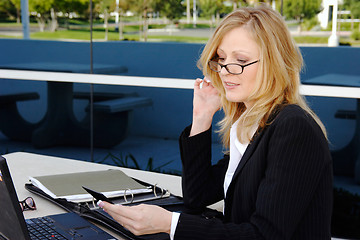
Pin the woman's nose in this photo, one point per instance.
(223, 70)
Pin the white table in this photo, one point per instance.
(22, 165)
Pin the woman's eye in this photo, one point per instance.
(221, 59)
(241, 60)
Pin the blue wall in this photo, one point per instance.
(172, 108)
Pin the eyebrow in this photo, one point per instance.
(235, 51)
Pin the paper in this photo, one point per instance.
(111, 183)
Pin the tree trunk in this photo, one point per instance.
(41, 21)
(145, 25)
(54, 23)
(140, 27)
(106, 23)
(121, 27)
(188, 11)
(17, 15)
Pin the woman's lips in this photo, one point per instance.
(230, 84)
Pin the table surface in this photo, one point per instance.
(22, 165)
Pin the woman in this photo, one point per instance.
(276, 178)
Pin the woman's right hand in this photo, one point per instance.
(206, 103)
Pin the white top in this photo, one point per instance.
(237, 150)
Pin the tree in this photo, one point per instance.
(17, 5)
(42, 9)
(142, 8)
(104, 7)
(171, 9)
(8, 9)
(209, 8)
(72, 6)
(301, 9)
(124, 6)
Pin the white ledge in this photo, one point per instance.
(308, 90)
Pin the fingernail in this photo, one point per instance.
(100, 204)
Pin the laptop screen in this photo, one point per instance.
(12, 226)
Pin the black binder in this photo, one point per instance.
(90, 211)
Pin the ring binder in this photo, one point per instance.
(162, 190)
(166, 200)
(132, 196)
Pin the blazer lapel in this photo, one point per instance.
(255, 141)
(247, 154)
(246, 157)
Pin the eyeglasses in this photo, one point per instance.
(233, 68)
(27, 204)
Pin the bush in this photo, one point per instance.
(308, 24)
(355, 35)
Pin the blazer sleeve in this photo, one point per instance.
(297, 158)
(202, 183)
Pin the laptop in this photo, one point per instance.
(13, 226)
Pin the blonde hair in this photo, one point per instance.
(278, 76)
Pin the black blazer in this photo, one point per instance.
(282, 188)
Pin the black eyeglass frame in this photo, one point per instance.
(25, 206)
(226, 66)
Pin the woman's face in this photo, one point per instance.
(237, 46)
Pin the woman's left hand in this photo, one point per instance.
(140, 219)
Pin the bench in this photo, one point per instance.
(101, 96)
(111, 115)
(13, 98)
(114, 102)
(121, 104)
(12, 124)
(345, 114)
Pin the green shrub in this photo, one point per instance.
(308, 24)
(355, 35)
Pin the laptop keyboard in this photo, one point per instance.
(42, 228)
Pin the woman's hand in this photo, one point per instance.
(140, 219)
(205, 104)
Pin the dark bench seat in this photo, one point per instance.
(345, 114)
(102, 96)
(122, 104)
(15, 97)
(12, 124)
(111, 115)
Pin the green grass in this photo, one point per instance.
(68, 34)
(310, 39)
(6, 36)
(169, 38)
(99, 34)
